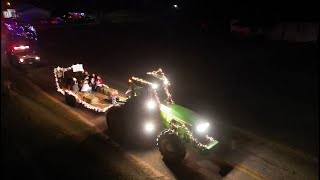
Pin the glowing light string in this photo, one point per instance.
(142, 81)
(197, 143)
(160, 75)
(69, 92)
(146, 82)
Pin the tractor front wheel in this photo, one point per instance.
(171, 147)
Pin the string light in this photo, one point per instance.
(160, 75)
(190, 135)
(141, 80)
(78, 99)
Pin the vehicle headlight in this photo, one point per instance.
(202, 127)
(37, 58)
(151, 104)
(149, 127)
(21, 60)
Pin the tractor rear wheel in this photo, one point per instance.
(171, 147)
(115, 124)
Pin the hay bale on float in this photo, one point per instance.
(110, 92)
(88, 97)
(102, 105)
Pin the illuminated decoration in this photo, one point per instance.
(168, 112)
(27, 31)
(190, 135)
(141, 80)
(160, 75)
(69, 92)
(156, 96)
(8, 26)
(9, 13)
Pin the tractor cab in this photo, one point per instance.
(152, 84)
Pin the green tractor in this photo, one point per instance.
(150, 113)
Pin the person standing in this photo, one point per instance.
(75, 87)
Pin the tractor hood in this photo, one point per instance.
(180, 113)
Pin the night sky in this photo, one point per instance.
(306, 9)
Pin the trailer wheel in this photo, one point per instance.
(171, 147)
(71, 100)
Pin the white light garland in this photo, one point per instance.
(141, 80)
(197, 143)
(160, 75)
(69, 92)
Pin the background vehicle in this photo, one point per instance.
(150, 113)
(21, 52)
(57, 20)
(244, 30)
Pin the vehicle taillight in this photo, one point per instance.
(20, 47)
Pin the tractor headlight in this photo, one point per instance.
(202, 127)
(151, 104)
(149, 127)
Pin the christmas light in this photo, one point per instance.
(160, 75)
(190, 135)
(78, 99)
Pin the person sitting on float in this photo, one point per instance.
(86, 88)
(99, 83)
(86, 76)
(93, 81)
